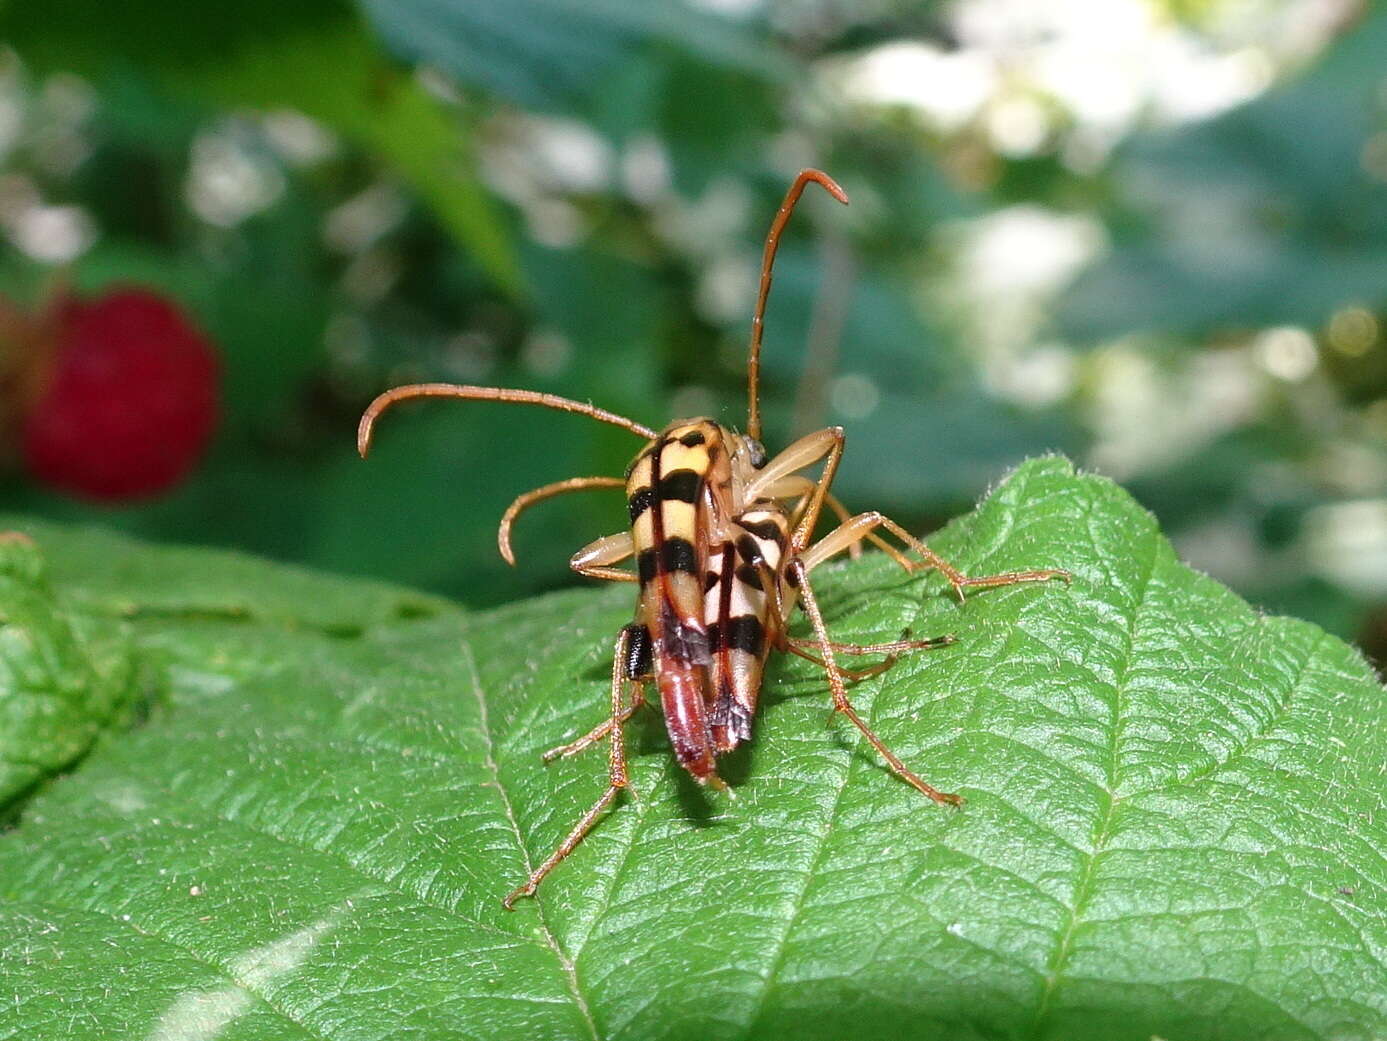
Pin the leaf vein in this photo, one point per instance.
(565, 963)
(221, 970)
(1262, 733)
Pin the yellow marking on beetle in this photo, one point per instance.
(675, 456)
(640, 475)
(643, 531)
(680, 519)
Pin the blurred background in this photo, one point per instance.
(1151, 234)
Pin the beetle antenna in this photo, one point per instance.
(753, 369)
(456, 390)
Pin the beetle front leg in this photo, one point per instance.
(802, 488)
(865, 525)
(595, 560)
(826, 445)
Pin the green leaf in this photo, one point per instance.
(1266, 214)
(337, 77)
(545, 53)
(109, 575)
(317, 57)
(1174, 827)
(58, 690)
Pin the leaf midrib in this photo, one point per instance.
(1083, 890)
(1083, 885)
(822, 843)
(568, 965)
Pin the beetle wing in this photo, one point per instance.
(737, 611)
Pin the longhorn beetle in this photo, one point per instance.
(721, 536)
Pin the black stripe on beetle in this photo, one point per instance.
(722, 704)
(744, 633)
(733, 715)
(749, 575)
(645, 565)
(641, 501)
(639, 660)
(749, 551)
(681, 485)
(692, 439)
(677, 555)
(739, 722)
(766, 529)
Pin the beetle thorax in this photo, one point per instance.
(696, 452)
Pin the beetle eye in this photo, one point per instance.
(757, 452)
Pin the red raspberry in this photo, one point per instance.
(130, 402)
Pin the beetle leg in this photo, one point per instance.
(637, 664)
(864, 525)
(616, 777)
(892, 650)
(841, 703)
(851, 675)
(598, 732)
(892, 647)
(826, 444)
(785, 642)
(806, 451)
(548, 491)
(595, 560)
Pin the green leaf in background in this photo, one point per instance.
(108, 576)
(1174, 826)
(1266, 214)
(317, 57)
(543, 53)
(58, 690)
(336, 77)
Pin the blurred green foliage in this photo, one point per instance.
(571, 197)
